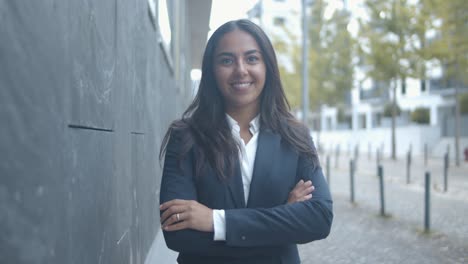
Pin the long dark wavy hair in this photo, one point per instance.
(204, 128)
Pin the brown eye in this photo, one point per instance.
(252, 59)
(226, 61)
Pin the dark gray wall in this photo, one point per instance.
(85, 97)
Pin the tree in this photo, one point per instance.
(384, 47)
(330, 59)
(463, 101)
(421, 115)
(451, 49)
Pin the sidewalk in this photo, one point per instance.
(360, 235)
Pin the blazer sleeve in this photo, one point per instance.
(178, 183)
(295, 223)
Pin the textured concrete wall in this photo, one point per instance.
(85, 97)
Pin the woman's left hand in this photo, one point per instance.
(183, 214)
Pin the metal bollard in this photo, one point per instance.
(427, 203)
(328, 170)
(446, 165)
(382, 191)
(351, 172)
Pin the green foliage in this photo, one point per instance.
(384, 49)
(341, 115)
(420, 115)
(388, 110)
(450, 48)
(329, 62)
(463, 101)
(393, 45)
(292, 87)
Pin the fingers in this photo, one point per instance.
(172, 211)
(307, 184)
(186, 214)
(177, 226)
(301, 192)
(309, 189)
(299, 183)
(173, 220)
(305, 198)
(304, 188)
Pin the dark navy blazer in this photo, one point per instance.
(266, 229)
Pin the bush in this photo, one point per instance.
(387, 112)
(463, 101)
(420, 115)
(341, 115)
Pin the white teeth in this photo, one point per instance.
(241, 85)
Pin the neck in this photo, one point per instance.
(244, 115)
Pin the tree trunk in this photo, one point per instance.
(305, 76)
(394, 112)
(457, 127)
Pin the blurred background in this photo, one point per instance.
(88, 89)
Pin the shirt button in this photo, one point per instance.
(243, 237)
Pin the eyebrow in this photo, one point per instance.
(230, 54)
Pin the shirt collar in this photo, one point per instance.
(254, 125)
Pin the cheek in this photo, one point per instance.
(261, 72)
(261, 76)
(217, 77)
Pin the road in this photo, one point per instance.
(360, 235)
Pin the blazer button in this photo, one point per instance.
(243, 237)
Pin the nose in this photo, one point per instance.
(241, 68)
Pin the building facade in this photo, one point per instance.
(87, 91)
(365, 106)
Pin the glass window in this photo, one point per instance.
(165, 30)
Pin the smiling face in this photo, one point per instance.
(239, 71)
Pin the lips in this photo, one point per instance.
(241, 86)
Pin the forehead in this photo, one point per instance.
(237, 41)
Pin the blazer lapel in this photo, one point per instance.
(267, 150)
(236, 187)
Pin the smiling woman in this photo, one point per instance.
(240, 72)
(241, 180)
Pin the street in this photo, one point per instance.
(360, 235)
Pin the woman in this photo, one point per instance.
(238, 171)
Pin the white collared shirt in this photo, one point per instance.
(247, 154)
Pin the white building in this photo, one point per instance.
(282, 19)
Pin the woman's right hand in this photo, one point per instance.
(301, 192)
